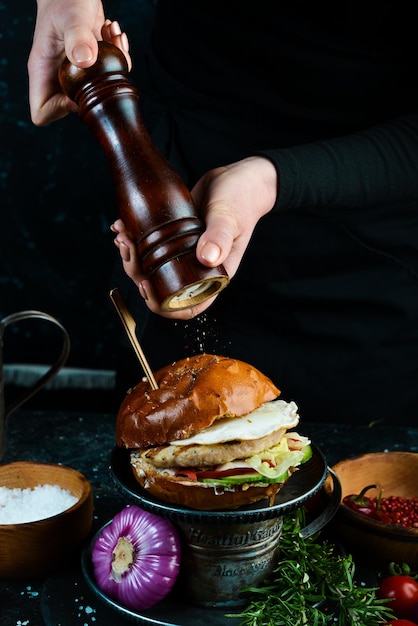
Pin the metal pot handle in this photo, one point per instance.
(54, 369)
(6, 410)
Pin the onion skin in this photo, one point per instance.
(156, 562)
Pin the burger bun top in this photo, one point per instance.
(192, 393)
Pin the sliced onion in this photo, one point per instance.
(153, 546)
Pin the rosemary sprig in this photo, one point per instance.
(312, 585)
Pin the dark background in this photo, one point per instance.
(56, 249)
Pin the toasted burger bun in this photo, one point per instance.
(208, 411)
(191, 395)
(200, 496)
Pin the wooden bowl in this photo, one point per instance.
(368, 539)
(32, 549)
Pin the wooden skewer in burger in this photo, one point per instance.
(212, 436)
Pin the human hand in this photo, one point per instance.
(230, 200)
(65, 28)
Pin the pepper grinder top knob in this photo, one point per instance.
(153, 201)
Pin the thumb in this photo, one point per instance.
(81, 46)
(215, 244)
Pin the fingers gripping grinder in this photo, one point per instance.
(153, 201)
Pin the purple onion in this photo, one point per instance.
(136, 558)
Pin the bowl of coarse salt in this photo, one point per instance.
(46, 511)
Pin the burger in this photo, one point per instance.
(212, 436)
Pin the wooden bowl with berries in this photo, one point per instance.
(377, 520)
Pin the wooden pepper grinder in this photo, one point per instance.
(153, 201)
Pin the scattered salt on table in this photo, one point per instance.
(18, 506)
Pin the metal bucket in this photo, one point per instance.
(218, 561)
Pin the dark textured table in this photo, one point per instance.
(85, 442)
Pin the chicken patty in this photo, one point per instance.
(209, 455)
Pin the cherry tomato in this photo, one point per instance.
(403, 591)
(401, 622)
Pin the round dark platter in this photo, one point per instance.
(175, 609)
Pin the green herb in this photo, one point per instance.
(312, 585)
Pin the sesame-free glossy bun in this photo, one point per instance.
(191, 395)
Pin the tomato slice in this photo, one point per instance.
(236, 471)
(196, 475)
(190, 474)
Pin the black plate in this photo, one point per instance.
(298, 489)
(175, 610)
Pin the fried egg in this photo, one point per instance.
(268, 418)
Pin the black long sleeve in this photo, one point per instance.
(374, 167)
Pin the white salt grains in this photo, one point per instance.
(18, 506)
